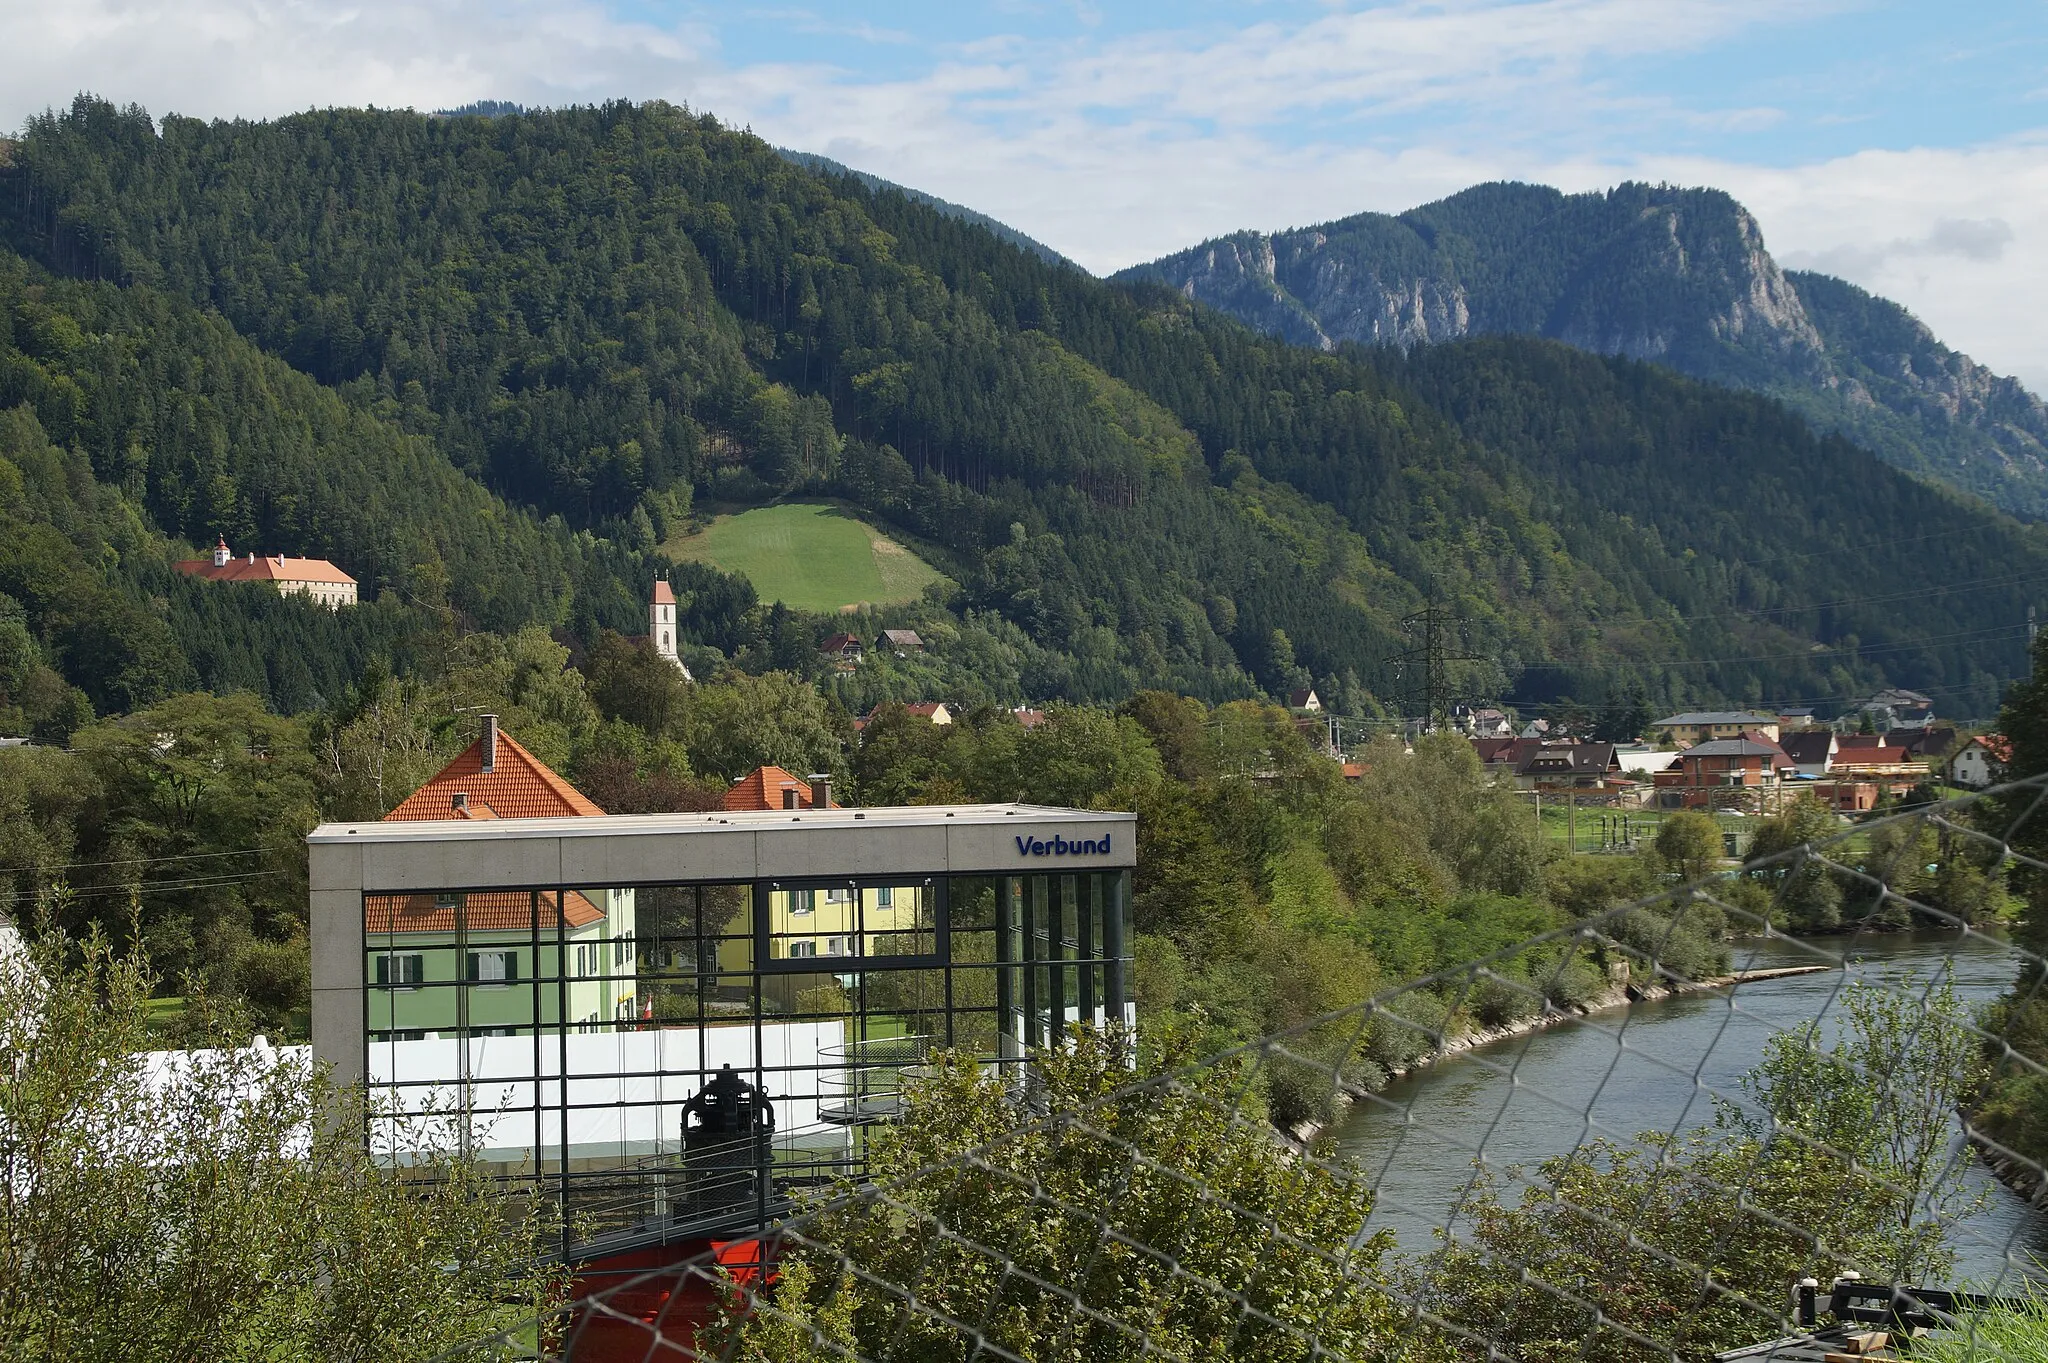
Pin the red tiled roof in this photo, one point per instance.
(664, 595)
(762, 788)
(1870, 757)
(520, 786)
(496, 911)
(265, 568)
(1029, 718)
(1998, 745)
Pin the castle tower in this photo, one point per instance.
(661, 625)
(220, 552)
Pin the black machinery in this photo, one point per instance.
(728, 1130)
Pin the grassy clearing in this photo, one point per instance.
(810, 556)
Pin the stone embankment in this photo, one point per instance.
(1620, 996)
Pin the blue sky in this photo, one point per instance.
(1903, 145)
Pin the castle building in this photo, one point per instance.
(313, 577)
(661, 625)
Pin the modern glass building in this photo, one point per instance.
(671, 1022)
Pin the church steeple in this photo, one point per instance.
(661, 625)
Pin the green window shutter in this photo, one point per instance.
(384, 970)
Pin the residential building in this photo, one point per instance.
(1980, 762)
(1891, 770)
(901, 642)
(1726, 773)
(774, 788)
(1926, 743)
(1792, 717)
(1305, 698)
(1027, 717)
(1536, 728)
(487, 938)
(1812, 750)
(845, 648)
(1703, 726)
(1892, 708)
(311, 577)
(1570, 766)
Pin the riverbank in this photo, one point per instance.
(1620, 996)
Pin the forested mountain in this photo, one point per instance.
(602, 315)
(1678, 276)
(825, 165)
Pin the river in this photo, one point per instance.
(1651, 1066)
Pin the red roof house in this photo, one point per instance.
(495, 778)
(774, 788)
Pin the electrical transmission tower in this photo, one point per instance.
(1431, 662)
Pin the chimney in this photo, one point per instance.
(791, 798)
(821, 789)
(252, 556)
(459, 801)
(490, 744)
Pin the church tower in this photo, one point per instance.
(661, 625)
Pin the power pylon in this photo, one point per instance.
(1432, 658)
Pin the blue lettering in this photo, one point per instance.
(1060, 847)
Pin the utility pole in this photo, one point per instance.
(1432, 657)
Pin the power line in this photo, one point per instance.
(137, 861)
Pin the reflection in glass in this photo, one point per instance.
(682, 1058)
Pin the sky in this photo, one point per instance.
(1901, 144)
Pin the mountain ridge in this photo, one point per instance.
(603, 314)
(1675, 276)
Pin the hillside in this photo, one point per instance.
(808, 556)
(600, 315)
(1677, 276)
(825, 165)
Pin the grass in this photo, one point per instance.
(810, 556)
(1557, 822)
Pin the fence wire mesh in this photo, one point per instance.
(1639, 1182)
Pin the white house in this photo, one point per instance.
(1981, 761)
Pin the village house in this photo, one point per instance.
(1703, 726)
(311, 577)
(487, 937)
(772, 787)
(1892, 708)
(1744, 772)
(843, 648)
(1570, 766)
(931, 711)
(1304, 698)
(1812, 750)
(1980, 762)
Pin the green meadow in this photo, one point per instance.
(810, 556)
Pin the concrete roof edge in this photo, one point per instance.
(735, 821)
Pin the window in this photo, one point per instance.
(839, 946)
(803, 901)
(885, 897)
(838, 896)
(803, 946)
(494, 967)
(622, 950)
(447, 899)
(401, 972)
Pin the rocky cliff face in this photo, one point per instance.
(1680, 277)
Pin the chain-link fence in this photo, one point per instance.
(1634, 1136)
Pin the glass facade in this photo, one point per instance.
(671, 1060)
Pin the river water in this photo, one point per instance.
(1652, 1067)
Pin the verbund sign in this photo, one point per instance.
(1060, 846)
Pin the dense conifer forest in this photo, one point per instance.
(520, 351)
